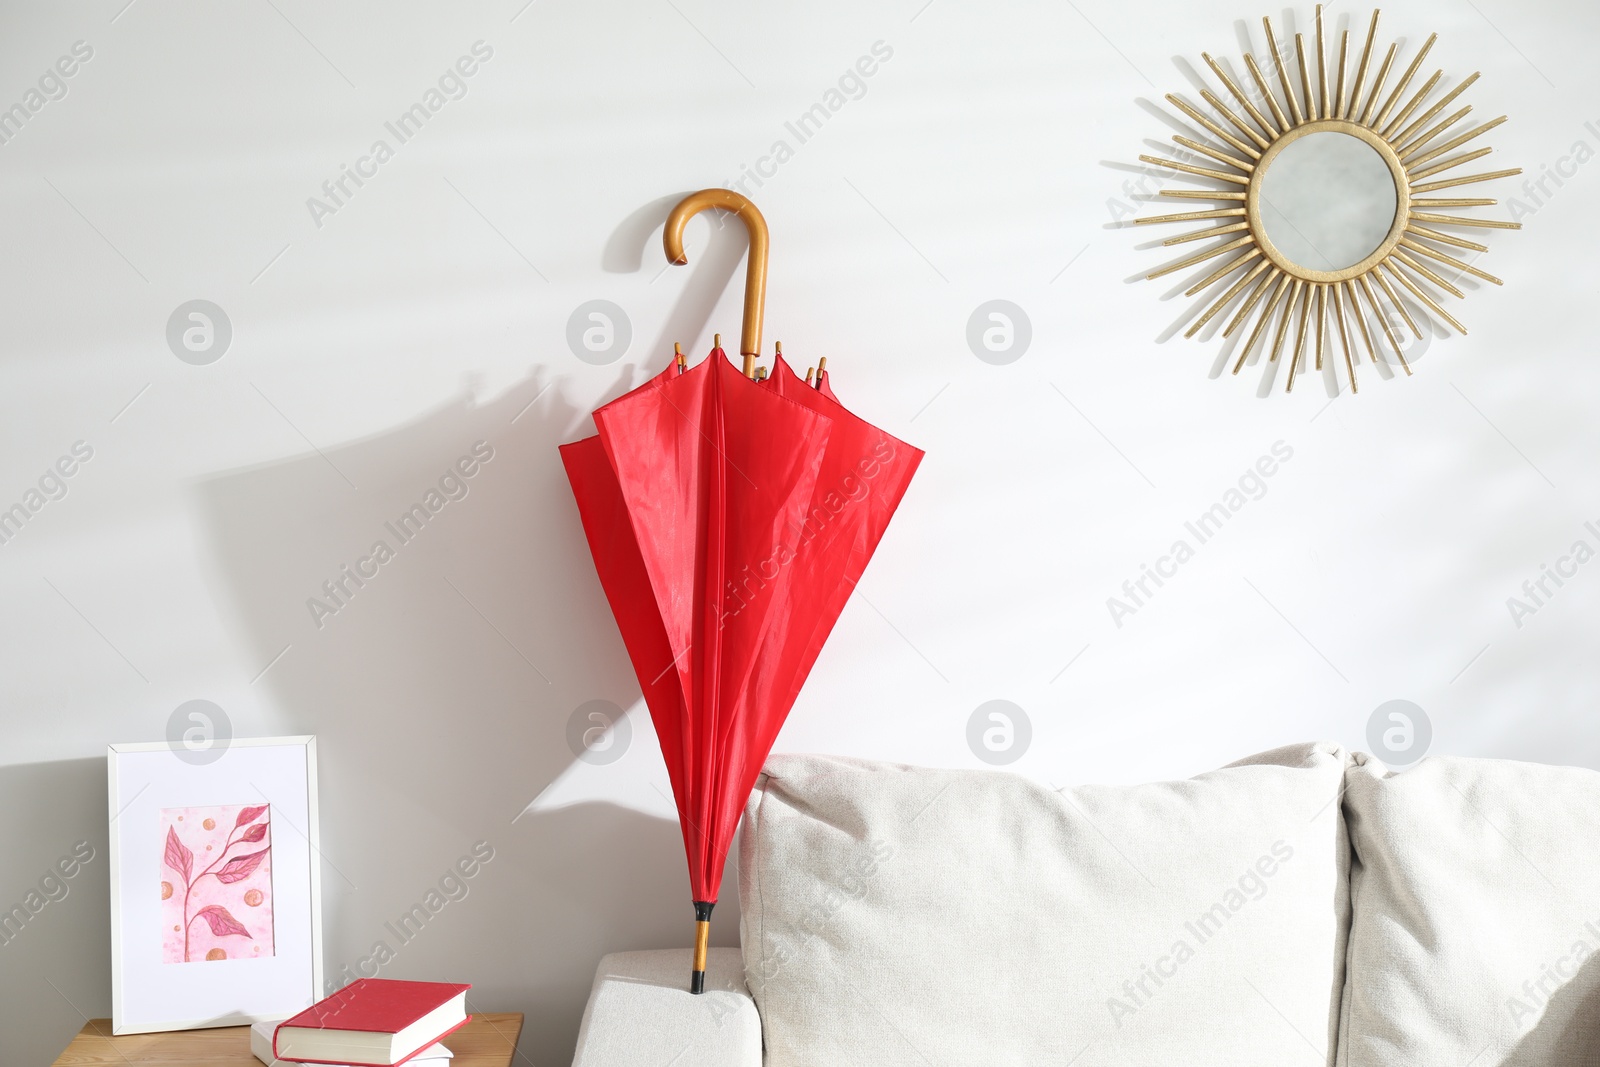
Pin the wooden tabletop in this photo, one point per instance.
(489, 1040)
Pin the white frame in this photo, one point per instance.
(120, 1025)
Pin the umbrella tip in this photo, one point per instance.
(810, 372)
(716, 340)
(702, 938)
(677, 349)
(777, 346)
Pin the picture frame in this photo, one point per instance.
(216, 909)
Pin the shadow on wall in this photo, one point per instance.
(1567, 1030)
(55, 930)
(426, 599)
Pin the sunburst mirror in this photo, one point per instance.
(1323, 209)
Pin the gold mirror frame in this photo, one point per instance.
(1408, 257)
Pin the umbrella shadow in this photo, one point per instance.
(421, 599)
(714, 248)
(440, 682)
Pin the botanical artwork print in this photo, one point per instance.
(216, 883)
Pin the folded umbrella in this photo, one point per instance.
(728, 519)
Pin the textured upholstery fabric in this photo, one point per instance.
(894, 915)
(641, 1014)
(1475, 935)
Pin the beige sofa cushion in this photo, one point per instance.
(895, 915)
(1475, 936)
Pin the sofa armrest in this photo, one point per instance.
(641, 1012)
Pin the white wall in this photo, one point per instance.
(986, 159)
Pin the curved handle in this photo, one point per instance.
(755, 279)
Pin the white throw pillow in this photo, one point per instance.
(895, 915)
(1475, 936)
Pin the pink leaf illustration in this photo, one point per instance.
(254, 834)
(250, 814)
(241, 867)
(221, 923)
(178, 857)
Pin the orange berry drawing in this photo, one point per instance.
(209, 824)
(166, 890)
(216, 954)
(253, 897)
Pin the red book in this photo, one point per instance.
(373, 1022)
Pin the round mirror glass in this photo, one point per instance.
(1327, 201)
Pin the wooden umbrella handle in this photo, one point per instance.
(755, 279)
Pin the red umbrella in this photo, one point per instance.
(729, 518)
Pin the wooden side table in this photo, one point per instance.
(489, 1040)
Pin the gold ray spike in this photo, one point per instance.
(1203, 194)
(1213, 153)
(1234, 120)
(1261, 321)
(1305, 77)
(1383, 320)
(1361, 67)
(1338, 89)
(1216, 131)
(1200, 257)
(1427, 116)
(1283, 321)
(1272, 101)
(1470, 179)
(1283, 74)
(1456, 201)
(1222, 301)
(1172, 164)
(1411, 147)
(1421, 95)
(1232, 149)
(1394, 298)
(1344, 338)
(1449, 164)
(1454, 142)
(1222, 272)
(1244, 101)
(1322, 315)
(1388, 266)
(1255, 294)
(1377, 83)
(1322, 70)
(1428, 273)
(1200, 235)
(1361, 323)
(1461, 220)
(1449, 260)
(1191, 216)
(1405, 80)
(1300, 338)
(1445, 238)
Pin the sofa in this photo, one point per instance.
(1301, 906)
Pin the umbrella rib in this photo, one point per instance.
(714, 444)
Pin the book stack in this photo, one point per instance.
(372, 1022)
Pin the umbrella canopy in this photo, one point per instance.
(729, 520)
